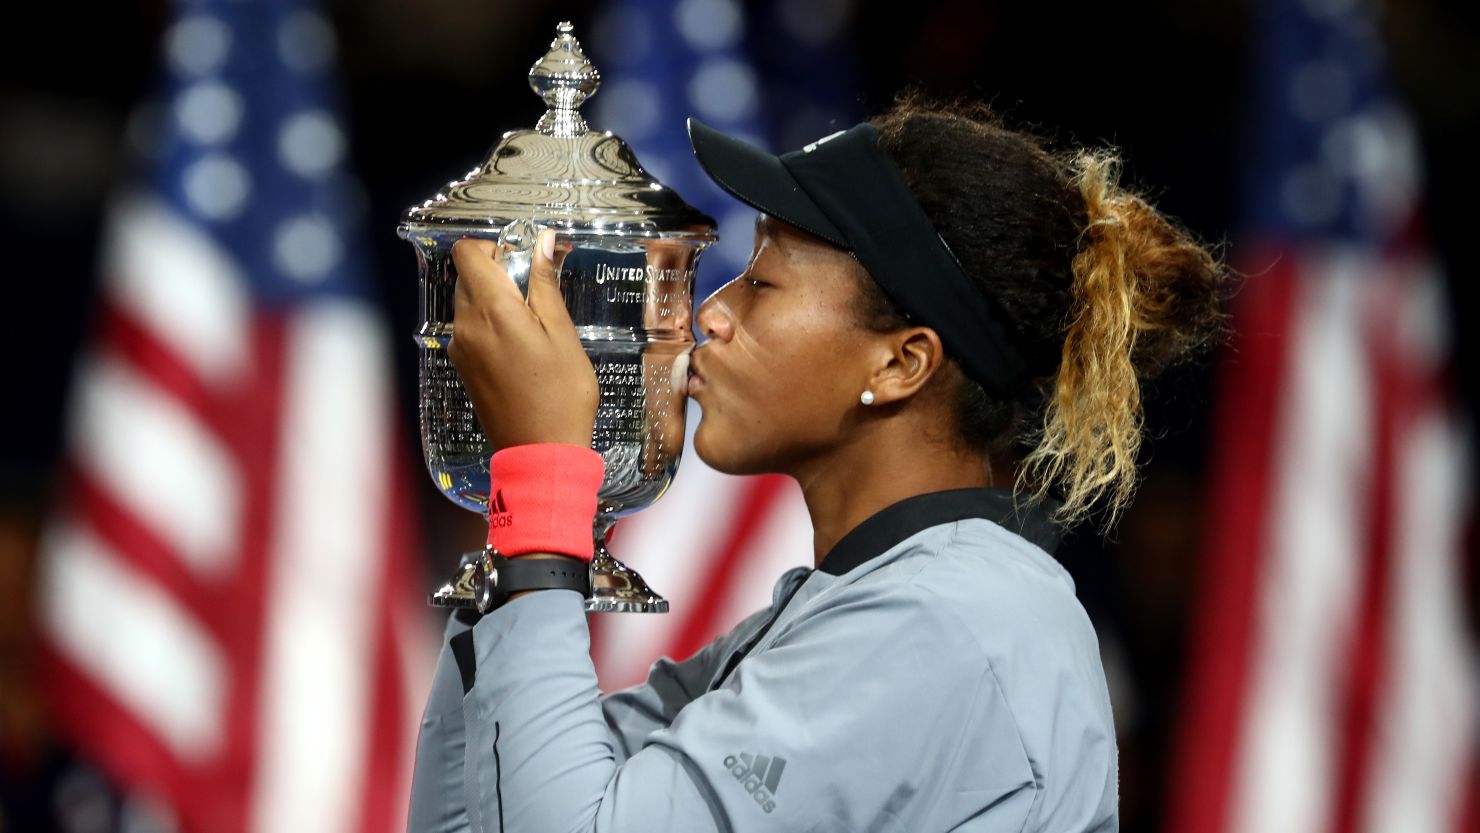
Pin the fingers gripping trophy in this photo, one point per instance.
(627, 247)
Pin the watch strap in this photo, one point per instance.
(499, 577)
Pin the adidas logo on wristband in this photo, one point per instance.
(498, 512)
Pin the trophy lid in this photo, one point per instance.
(561, 173)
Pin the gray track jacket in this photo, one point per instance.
(935, 673)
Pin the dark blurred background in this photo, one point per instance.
(429, 86)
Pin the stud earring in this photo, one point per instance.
(867, 397)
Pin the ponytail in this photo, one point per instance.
(1143, 295)
(1087, 275)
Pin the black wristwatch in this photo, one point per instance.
(497, 577)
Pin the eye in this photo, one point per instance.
(755, 283)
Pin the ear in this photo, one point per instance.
(913, 355)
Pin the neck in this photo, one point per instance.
(878, 468)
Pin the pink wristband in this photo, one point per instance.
(544, 499)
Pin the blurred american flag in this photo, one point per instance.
(225, 600)
(776, 74)
(1334, 687)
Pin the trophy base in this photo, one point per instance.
(615, 587)
(458, 592)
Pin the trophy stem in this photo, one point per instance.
(616, 588)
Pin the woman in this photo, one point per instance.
(941, 335)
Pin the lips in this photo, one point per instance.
(696, 380)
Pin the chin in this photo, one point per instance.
(720, 451)
(705, 448)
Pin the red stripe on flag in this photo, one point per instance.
(132, 542)
(752, 508)
(1368, 653)
(384, 807)
(154, 359)
(210, 796)
(1246, 432)
(260, 421)
(1467, 813)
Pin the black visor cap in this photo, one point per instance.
(758, 179)
(845, 189)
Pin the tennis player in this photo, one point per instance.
(941, 335)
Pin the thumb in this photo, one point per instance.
(545, 299)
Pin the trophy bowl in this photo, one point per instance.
(627, 279)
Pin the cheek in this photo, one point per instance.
(791, 358)
(799, 370)
(793, 374)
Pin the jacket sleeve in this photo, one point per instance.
(438, 802)
(840, 724)
(633, 714)
(437, 782)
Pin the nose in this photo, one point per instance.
(715, 319)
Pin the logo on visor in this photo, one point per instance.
(823, 140)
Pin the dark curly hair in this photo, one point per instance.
(1098, 288)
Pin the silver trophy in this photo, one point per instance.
(628, 281)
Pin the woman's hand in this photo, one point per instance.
(523, 366)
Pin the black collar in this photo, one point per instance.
(894, 523)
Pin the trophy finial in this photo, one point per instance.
(564, 79)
